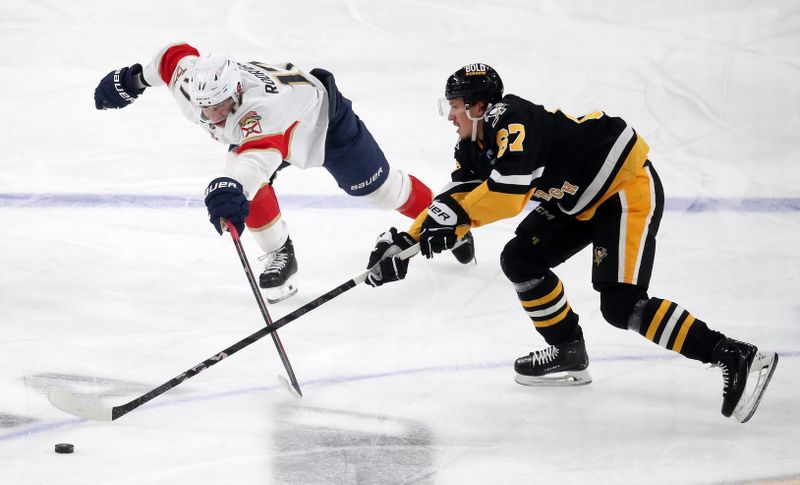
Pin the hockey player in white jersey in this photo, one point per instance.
(270, 116)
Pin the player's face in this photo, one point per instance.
(461, 118)
(218, 113)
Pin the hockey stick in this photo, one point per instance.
(263, 307)
(72, 403)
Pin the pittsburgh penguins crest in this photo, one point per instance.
(600, 254)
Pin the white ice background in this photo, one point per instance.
(112, 281)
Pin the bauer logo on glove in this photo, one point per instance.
(442, 213)
(225, 200)
(220, 183)
(440, 229)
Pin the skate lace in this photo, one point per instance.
(726, 378)
(544, 356)
(278, 262)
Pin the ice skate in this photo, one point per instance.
(464, 250)
(278, 277)
(557, 365)
(746, 373)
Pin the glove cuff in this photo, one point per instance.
(134, 79)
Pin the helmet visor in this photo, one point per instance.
(447, 107)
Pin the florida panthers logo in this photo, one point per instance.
(250, 124)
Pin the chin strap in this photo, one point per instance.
(475, 120)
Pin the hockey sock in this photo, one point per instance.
(546, 304)
(264, 209)
(672, 327)
(419, 198)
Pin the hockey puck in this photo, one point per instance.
(64, 448)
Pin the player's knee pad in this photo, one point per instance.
(619, 302)
(520, 262)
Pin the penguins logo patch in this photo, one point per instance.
(494, 113)
(600, 254)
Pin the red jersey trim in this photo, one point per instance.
(171, 57)
(275, 141)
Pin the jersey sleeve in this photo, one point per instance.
(170, 67)
(169, 64)
(464, 178)
(252, 169)
(258, 156)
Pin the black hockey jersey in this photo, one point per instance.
(529, 153)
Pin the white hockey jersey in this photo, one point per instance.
(283, 115)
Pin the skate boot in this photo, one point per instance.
(557, 365)
(746, 373)
(277, 279)
(464, 250)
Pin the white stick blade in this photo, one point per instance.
(72, 404)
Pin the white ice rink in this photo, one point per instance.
(113, 282)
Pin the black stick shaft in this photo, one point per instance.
(262, 306)
(123, 409)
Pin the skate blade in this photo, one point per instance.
(764, 366)
(280, 293)
(464, 255)
(562, 379)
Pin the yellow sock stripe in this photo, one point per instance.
(657, 318)
(554, 320)
(678, 345)
(545, 299)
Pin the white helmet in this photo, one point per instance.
(214, 78)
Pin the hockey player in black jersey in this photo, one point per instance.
(594, 184)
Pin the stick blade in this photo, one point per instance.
(70, 403)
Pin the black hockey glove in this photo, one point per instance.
(119, 88)
(225, 200)
(445, 215)
(384, 265)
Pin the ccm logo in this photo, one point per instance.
(442, 214)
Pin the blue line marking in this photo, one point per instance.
(160, 201)
(25, 431)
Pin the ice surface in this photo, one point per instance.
(113, 281)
